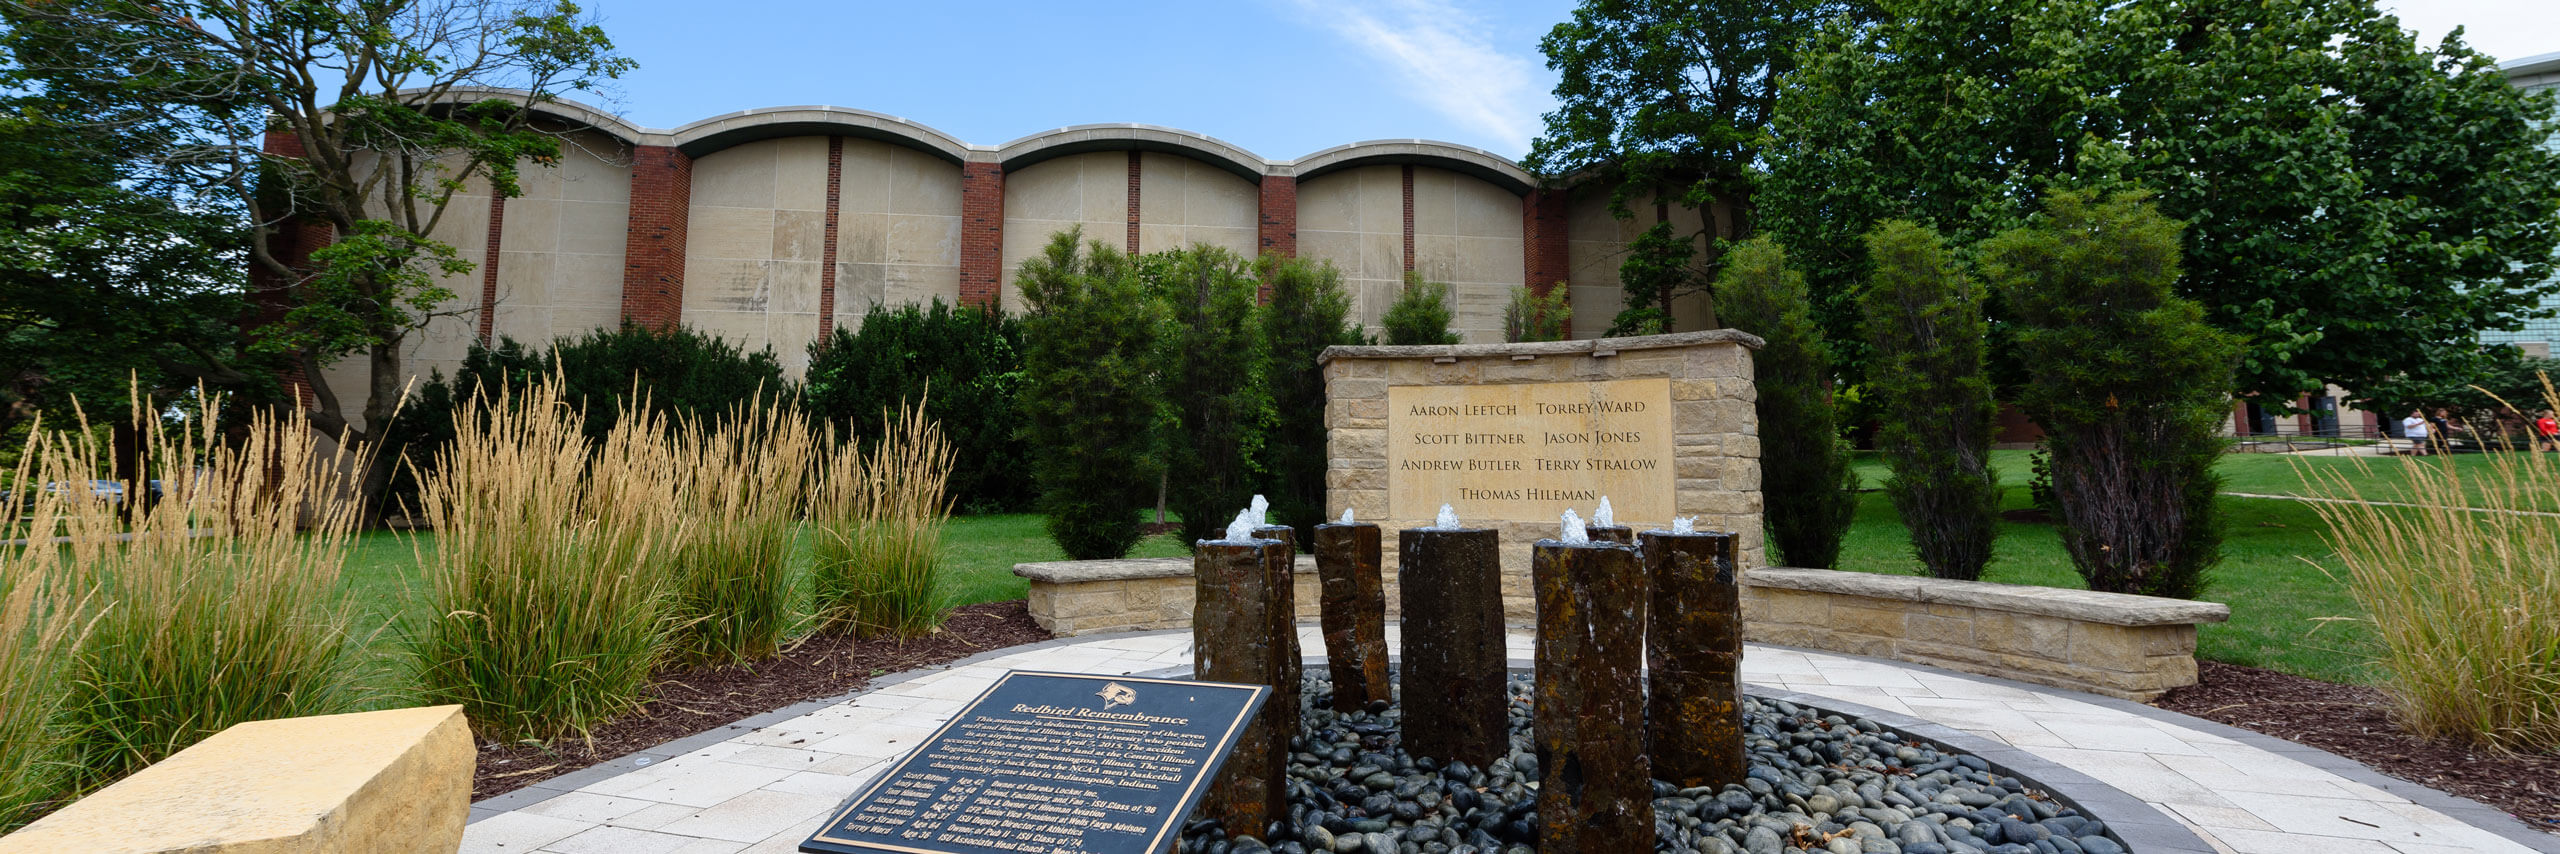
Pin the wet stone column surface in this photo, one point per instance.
(1280, 568)
(1232, 641)
(1450, 587)
(1596, 795)
(1620, 534)
(1694, 655)
(1354, 613)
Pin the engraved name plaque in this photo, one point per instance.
(1056, 763)
(1525, 452)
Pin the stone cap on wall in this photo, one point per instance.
(2119, 609)
(1081, 571)
(1586, 346)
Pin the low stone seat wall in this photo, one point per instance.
(394, 780)
(2119, 645)
(1082, 597)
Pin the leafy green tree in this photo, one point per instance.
(1809, 490)
(106, 285)
(2130, 384)
(1090, 394)
(2361, 207)
(1672, 100)
(1924, 322)
(1307, 312)
(1420, 314)
(1216, 386)
(963, 364)
(373, 93)
(1530, 317)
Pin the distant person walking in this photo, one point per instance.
(2546, 432)
(2415, 428)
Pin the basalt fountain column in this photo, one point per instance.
(1450, 587)
(1233, 640)
(1597, 792)
(1694, 657)
(1354, 612)
(1280, 567)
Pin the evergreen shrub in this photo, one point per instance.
(1090, 396)
(1307, 312)
(1808, 489)
(2130, 383)
(962, 365)
(1924, 321)
(1420, 313)
(1215, 386)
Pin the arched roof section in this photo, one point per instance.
(722, 131)
(556, 107)
(1132, 137)
(1479, 163)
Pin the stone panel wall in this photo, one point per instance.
(559, 265)
(1183, 201)
(756, 240)
(1715, 446)
(1040, 200)
(2134, 647)
(899, 231)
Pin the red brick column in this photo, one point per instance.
(1544, 248)
(489, 270)
(827, 256)
(653, 262)
(981, 233)
(1408, 218)
(1133, 203)
(1279, 232)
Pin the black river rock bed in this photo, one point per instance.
(1818, 784)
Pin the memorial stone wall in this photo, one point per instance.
(1511, 435)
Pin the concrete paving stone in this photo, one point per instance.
(518, 832)
(620, 840)
(751, 817)
(2216, 818)
(587, 807)
(655, 816)
(764, 789)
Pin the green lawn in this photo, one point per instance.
(2286, 613)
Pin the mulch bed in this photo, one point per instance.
(685, 702)
(2355, 722)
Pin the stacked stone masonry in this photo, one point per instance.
(1715, 442)
(2132, 647)
(1138, 594)
(721, 224)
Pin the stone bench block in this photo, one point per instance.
(2118, 645)
(395, 780)
(1083, 597)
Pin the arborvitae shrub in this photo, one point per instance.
(1090, 397)
(1420, 314)
(1306, 313)
(1810, 493)
(1215, 385)
(1924, 320)
(964, 365)
(2130, 384)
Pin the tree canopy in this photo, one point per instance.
(2360, 207)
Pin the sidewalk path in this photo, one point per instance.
(765, 784)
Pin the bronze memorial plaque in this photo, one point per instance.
(1056, 763)
(1525, 452)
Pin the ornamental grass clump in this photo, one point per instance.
(2458, 575)
(880, 518)
(547, 603)
(747, 480)
(215, 604)
(40, 631)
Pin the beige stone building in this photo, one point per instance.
(772, 226)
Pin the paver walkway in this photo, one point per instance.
(766, 785)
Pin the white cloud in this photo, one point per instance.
(1446, 59)
(2506, 29)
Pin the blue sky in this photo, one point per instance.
(1282, 78)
